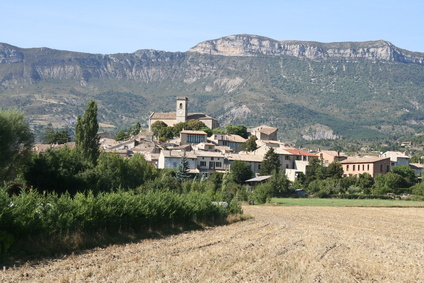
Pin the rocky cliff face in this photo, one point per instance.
(252, 45)
(240, 79)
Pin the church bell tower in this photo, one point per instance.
(181, 114)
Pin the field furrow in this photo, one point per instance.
(281, 244)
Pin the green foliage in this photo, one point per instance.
(122, 135)
(251, 143)
(262, 193)
(15, 144)
(52, 136)
(270, 163)
(86, 138)
(408, 175)
(56, 170)
(194, 125)
(32, 214)
(157, 126)
(418, 189)
(240, 171)
(334, 170)
(388, 183)
(182, 173)
(240, 130)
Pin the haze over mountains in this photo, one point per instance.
(308, 90)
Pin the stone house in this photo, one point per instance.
(353, 166)
(396, 158)
(265, 133)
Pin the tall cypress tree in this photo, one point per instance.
(182, 173)
(86, 138)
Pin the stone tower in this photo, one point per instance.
(181, 113)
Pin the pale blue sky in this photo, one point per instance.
(125, 26)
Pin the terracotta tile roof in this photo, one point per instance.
(193, 132)
(236, 138)
(201, 153)
(268, 131)
(178, 154)
(299, 152)
(165, 116)
(246, 157)
(173, 116)
(363, 160)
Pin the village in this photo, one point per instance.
(216, 153)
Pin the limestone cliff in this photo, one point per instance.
(252, 45)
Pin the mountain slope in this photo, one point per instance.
(307, 89)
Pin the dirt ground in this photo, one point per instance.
(281, 244)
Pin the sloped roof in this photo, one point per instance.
(259, 178)
(299, 152)
(246, 157)
(193, 132)
(178, 154)
(165, 116)
(268, 131)
(363, 160)
(236, 138)
(173, 116)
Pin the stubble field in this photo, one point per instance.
(281, 244)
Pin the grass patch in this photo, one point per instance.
(346, 202)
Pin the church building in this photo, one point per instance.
(182, 115)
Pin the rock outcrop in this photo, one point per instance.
(252, 45)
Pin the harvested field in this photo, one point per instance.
(281, 244)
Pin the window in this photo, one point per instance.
(211, 165)
(353, 167)
(287, 157)
(218, 164)
(195, 138)
(347, 167)
(368, 166)
(202, 163)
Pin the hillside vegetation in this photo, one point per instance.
(308, 90)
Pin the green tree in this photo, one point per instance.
(122, 135)
(56, 170)
(16, 141)
(62, 136)
(52, 136)
(182, 173)
(240, 130)
(315, 171)
(270, 163)
(240, 171)
(280, 184)
(387, 183)
(157, 126)
(335, 170)
(166, 133)
(251, 143)
(194, 125)
(48, 136)
(86, 138)
(408, 175)
(135, 129)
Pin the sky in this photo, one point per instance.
(107, 27)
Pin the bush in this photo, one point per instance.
(262, 193)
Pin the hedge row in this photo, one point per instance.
(31, 213)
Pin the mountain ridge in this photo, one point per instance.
(347, 89)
